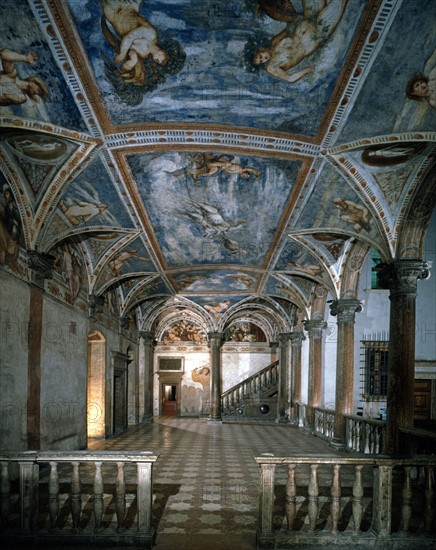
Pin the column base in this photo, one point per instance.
(147, 420)
(282, 419)
(214, 421)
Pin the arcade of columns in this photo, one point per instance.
(401, 279)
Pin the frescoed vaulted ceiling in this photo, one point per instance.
(219, 155)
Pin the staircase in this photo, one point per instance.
(255, 398)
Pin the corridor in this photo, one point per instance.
(206, 481)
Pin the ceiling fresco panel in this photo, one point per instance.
(408, 49)
(31, 84)
(88, 202)
(196, 61)
(205, 207)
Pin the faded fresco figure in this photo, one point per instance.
(117, 263)
(10, 226)
(82, 211)
(299, 39)
(423, 88)
(15, 90)
(141, 58)
(353, 213)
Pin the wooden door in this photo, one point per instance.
(169, 399)
(422, 402)
(120, 402)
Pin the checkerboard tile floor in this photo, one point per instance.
(206, 480)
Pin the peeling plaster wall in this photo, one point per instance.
(14, 313)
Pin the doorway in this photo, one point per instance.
(169, 399)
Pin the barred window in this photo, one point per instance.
(375, 369)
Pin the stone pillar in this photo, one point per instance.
(314, 398)
(41, 269)
(284, 392)
(148, 348)
(215, 343)
(345, 310)
(297, 338)
(401, 278)
(273, 346)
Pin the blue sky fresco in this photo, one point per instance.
(222, 85)
(200, 218)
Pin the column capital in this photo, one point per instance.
(401, 276)
(95, 305)
(297, 338)
(345, 309)
(215, 339)
(284, 337)
(273, 345)
(315, 327)
(147, 336)
(41, 266)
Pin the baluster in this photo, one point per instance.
(429, 498)
(367, 428)
(406, 508)
(377, 440)
(53, 494)
(336, 497)
(120, 505)
(357, 498)
(5, 493)
(358, 437)
(291, 497)
(76, 497)
(350, 433)
(98, 497)
(313, 497)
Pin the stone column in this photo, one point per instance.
(215, 343)
(284, 393)
(41, 266)
(401, 278)
(314, 398)
(297, 338)
(345, 310)
(148, 348)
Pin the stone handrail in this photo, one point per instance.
(35, 511)
(324, 423)
(250, 387)
(367, 523)
(365, 435)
